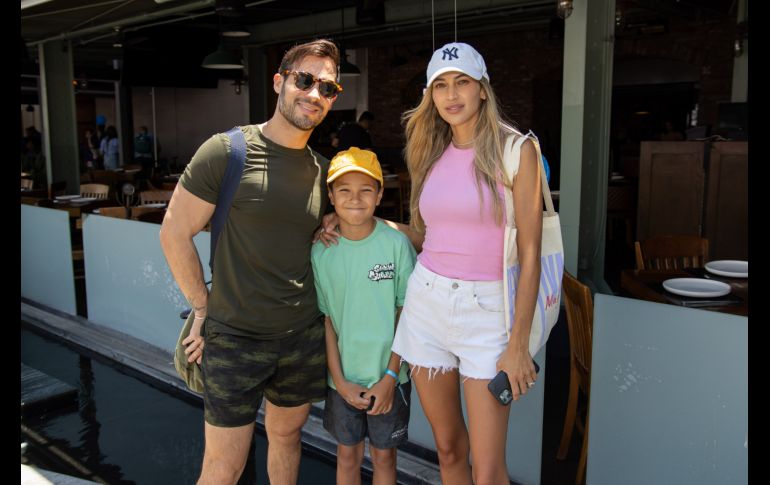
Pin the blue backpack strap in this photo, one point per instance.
(229, 186)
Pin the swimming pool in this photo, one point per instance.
(123, 430)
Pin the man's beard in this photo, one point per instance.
(297, 120)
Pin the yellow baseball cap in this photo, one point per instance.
(355, 160)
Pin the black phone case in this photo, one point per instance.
(500, 386)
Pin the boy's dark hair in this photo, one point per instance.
(317, 48)
(366, 116)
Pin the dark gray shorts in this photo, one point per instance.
(349, 425)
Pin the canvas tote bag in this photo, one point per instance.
(551, 253)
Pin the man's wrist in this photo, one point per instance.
(392, 374)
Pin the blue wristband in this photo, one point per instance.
(392, 374)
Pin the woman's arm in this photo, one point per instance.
(528, 212)
(416, 238)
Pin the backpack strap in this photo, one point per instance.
(230, 182)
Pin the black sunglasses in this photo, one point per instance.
(305, 82)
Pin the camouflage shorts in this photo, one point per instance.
(238, 371)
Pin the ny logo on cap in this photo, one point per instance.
(449, 54)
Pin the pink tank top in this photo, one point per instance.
(462, 238)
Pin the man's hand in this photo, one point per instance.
(327, 233)
(194, 342)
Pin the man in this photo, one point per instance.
(356, 134)
(143, 150)
(264, 334)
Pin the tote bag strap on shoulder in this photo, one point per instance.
(511, 160)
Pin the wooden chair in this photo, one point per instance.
(672, 252)
(391, 204)
(155, 217)
(154, 196)
(98, 191)
(26, 183)
(139, 210)
(106, 177)
(57, 188)
(580, 317)
(118, 212)
(406, 190)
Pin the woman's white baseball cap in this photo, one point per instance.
(457, 56)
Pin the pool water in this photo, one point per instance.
(125, 431)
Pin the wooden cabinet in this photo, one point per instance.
(727, 200)
(698, 188)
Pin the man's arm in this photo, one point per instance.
(185, 217)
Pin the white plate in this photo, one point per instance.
(697, 287)
(158, 205)
(82, 200)
(729, 267)
(66, 197)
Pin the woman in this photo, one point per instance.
(452, 324)
(110, 149)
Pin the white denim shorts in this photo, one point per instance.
(448, 323)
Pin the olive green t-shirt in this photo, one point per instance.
(263, 280)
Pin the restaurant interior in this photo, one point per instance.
(640, 107)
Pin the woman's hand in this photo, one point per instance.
(327, 233)
(517, 363)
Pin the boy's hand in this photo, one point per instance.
(383, 395)
(327, 233)
(351, 392)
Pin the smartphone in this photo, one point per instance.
(500, 386)
(371, 402)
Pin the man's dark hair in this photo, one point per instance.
(366, 116)
(317, 48)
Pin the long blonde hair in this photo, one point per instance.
(428, 135)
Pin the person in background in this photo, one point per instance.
(33, 162)
(670, 133)
(144, 145)
(356, 134)
(89, 150)
(109, 149)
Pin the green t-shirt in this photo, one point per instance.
(360, 284)
(263, 280)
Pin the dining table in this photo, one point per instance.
(647, 284)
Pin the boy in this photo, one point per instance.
(361, 285)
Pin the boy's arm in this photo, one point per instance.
(385, 388)
(349, 391)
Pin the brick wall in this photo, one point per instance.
(526, 71)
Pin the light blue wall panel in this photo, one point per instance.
(669, 395)
(128, 283)
(46, 258)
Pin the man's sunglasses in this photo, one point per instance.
(305, 82)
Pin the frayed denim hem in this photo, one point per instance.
(432, 371)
